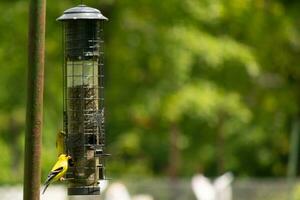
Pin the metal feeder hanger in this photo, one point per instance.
(83, 97)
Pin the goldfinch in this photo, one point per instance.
(58, 171)
(60, 142)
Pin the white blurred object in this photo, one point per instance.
(142, 197)
(117, 191)
(8, 193)
(219, 190)
(54, 192)
(103, 185)
(223, 187)
(203, 188)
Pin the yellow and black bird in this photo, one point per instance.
(58, 170)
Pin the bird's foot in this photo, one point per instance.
(62, 179)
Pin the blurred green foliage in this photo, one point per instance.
(223, 74)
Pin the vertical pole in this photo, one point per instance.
(35, 88)
(293, 158)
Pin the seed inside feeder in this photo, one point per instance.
(82, 108)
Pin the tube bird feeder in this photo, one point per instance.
(83, 98)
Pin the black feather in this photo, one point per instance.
(51, 176)
(45, 188)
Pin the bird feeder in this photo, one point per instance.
(83, 98)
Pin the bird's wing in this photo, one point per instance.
(50, 177)
(52, 174)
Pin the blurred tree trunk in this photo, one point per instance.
(174, 161)
(174, 155)
(293, 157)
(220, 144)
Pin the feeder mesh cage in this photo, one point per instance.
(83, 75)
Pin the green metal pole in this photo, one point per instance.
(293, 158)
(35, 89)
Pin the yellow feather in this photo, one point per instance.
(61, 164)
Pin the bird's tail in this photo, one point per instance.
(45, 188)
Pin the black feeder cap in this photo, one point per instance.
(81, 29)
(82, 12)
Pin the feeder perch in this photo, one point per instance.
(83, 97)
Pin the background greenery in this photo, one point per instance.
(210, 86)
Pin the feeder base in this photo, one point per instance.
(85, 190)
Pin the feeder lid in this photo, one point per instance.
(81, 12)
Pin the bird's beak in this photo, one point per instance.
(69, 157)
